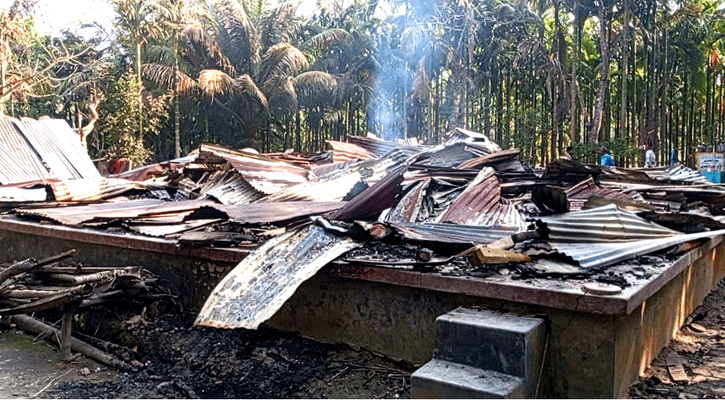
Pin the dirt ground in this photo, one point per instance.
(700, 345)
(173, 359)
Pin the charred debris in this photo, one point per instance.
(465, 207)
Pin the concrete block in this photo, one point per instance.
(446, 380)
(493, 341)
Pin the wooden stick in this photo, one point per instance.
(41, 328)
(36, 294)
(65, 334)
(81, 279)
(45, 303)
(30, 264)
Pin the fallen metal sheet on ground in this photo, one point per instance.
(157, 230)
(343, 151)
(77, 190)
(258, 287)
(604, 224)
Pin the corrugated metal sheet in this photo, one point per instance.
(449, 233)
(381, 147)
(59, 148)
(409, 207)
(373, 200)
(77, 190)
(604, 224)
(228, 187)
(265, 174)
(166, 230)
(276, 212)
(258, 287)
(481, 196)
(491, 158)
(605, 253)
(343, 151)
(18, 161)
(338, 186)
(460, 135)
(123, 210)
(676, 172)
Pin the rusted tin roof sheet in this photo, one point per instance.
(460, 135)
(343, 151)
(410, 205)
(381, 147)
(273, 212)
(122, 210)
(373, 200)
(480, 197)
(340, 185)
(265, 174)
(258, 287)
(78, 190)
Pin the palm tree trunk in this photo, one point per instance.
(177, 117)
(139, 84)
(596, 123)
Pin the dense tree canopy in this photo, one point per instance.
(537, 75)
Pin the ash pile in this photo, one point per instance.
(465, 207)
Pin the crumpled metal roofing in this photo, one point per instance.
(458, 135)
(604, 224)
(272, 212)
(258, 287)
(11, 194)
(410, 205)
(605, 253)
(338, 186)
(265, 174)
(676, 172)
(381, 147)
(373, 200)
(228, 187)
(76, 190)
(123, 210)
(343, 151)
(449, 233)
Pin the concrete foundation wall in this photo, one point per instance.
(588, 355)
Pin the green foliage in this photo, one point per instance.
(118, 125)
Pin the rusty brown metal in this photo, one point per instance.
(343, 151)
(371, 202)
(272, 212)
(123, 241)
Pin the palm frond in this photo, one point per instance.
(214, 82)
(315, 89)
(245, 86)
(421, 81)
(160, 54)
(164, 75)
(279, 24)
(281, 96)
(202, 40)
(282, 59)
(329, 38)
(237, 35)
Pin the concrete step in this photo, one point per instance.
(493, 341)
(447, 380)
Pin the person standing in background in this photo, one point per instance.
(606, 158)
(673, 157)
(650, 161)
